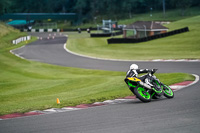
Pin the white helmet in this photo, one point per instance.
(134, 66)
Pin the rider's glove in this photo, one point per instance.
(152, 71)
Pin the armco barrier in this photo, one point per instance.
(131, 40)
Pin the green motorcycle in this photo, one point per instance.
(135, 84)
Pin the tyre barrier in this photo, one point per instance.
(131, 40)
(100, 35)
(106, 34)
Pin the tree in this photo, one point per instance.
(90, 9)
(80, 7)
(184, 4)
(127, 7)
(5, 6)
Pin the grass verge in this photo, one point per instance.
(180, 46)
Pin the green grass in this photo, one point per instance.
(6, 29)
(180, 46)
(28, 85)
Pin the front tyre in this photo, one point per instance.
(142, 94)
(168, 92)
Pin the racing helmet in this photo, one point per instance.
(134, 66)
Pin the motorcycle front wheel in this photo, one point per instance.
(168, 92)
(142, 94)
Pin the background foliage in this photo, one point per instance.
(90, 9)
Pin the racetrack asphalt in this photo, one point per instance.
(178, 115)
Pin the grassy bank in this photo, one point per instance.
(180, 46)
(28, 85)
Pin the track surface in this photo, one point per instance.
(180, 114)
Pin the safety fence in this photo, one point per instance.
(21, 39)
(40, 30)
(131, 40)
(63, 30)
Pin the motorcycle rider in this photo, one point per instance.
(134, 71)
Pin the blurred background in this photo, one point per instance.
(89, 13)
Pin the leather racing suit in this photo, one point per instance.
(144, 79)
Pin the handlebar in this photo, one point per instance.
(153, 71)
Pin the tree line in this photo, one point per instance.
(90, 9)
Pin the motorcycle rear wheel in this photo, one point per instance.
(168, 92)
(142, 94)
